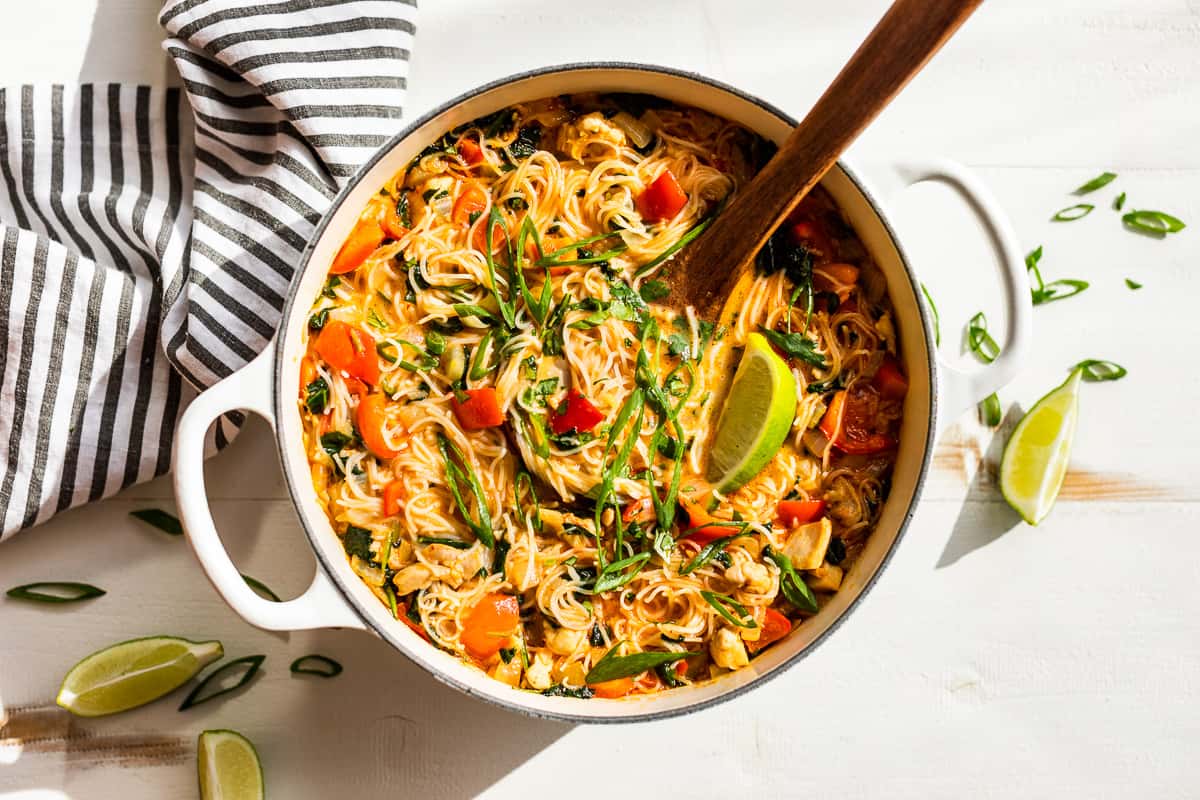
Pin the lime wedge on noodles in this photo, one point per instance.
(757, 416)
(1036, 457)
(131, 674)
(229, 767)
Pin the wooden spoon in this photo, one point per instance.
(705, 273)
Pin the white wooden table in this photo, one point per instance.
(992, 660)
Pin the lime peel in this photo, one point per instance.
(1036, 457)
(757, 416)
(228, 767)
(132, 673)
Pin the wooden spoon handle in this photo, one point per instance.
(899, 46)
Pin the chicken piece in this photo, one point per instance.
(538, 675)
(563, 641)
(556, 522)
(751, 576)
(806, 544)
(461, 565)
(574, 138)
(509, 673)
(524, 572)
(728, 650)
(412, 578)
(431, 188)
(825, 578)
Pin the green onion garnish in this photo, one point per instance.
(1152, 223)
(459, 472)
(1119, 203)
(197, 695)
(1072, 213)
(1096, 370)
(613, 666)
(989, 410)
(709, 552)
(1132, 284)
(59, 592)
(159, 519)
(1098, 182)
(937, 318)
(316, 664)
(1058, 290)
(723, 603)
(619, 573)
(980, 341)
(794, 589)
(260, 587)
(457, 544)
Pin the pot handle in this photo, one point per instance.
(962, 389)
(248, 389)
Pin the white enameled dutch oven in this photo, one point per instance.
(337, 597)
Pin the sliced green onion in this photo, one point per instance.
(613, 666)
(1096, 370)
(980, 341)
(937, 318)
(260, 587)
(990, 411)
(1152, 223)
(1098, 182)
(1132, 284)
(1059, 290)
(481, 522)
(316, 664)
(619, 573)
(723, 603)
(59, 592)
(709, 552)
(1119, 203)
(1072, 213)
(457, 544)
(684, 240)
(793, 587)
(198, 696)
(159, 519)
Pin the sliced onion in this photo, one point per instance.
(638, 132)
(443, 205)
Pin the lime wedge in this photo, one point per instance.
(756, 419)
(1036, 457)
(131, 674)
(229, 767)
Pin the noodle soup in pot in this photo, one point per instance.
(543, 469)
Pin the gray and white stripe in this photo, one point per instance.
(148, 235)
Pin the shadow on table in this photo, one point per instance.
(980, 524)
(124, 38)
(390, 727)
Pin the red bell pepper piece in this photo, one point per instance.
(480, 410)
(851, 423)
(663, 198)
(575, 414)
(889, 380)
(797, 512)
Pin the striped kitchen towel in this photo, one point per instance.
(148, 235)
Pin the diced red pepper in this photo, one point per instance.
(390, 222)
(663, 198)
(775, 626)
(889, 380)
(813, 236)
(480, 410)
(797, 512)
(393, 498)
(472, 200)
(575, 414)
(349, 349)
(851, 423)
(470, 151)
(699, 529)
(489, 624)
(362, 241)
